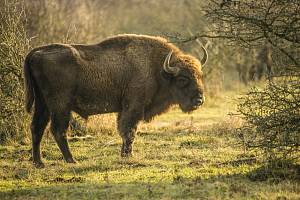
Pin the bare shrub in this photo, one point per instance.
(272, 118)
(13, 47)
(272, 115)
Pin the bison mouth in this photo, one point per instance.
(193, 104)
(189, 108)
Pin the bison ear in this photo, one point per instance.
(166, 75)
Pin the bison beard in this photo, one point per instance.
(136, 76)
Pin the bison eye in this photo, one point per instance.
(182, 81)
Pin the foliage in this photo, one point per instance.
(272, 114)
(13, 46)
(273, 119)
(252, 23)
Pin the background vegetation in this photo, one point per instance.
(274, 112)
(206, 155)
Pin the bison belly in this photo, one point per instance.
(95, 102)
(97, 91)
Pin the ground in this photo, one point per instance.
(176, 156)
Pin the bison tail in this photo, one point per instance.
(28, 85)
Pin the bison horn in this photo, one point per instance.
(167, 67)
(205, 57)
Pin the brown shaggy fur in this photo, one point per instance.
(122, 74)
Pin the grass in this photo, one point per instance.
(177, 156)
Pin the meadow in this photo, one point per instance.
(230, 148)
(176, 156)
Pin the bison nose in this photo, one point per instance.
(198, 100)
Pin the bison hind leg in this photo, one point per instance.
(39, 122)
(59, 125)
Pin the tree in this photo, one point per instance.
(272, 115)
(253, 22)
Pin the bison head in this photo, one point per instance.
(185, 77)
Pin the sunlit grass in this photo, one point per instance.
(176, 156)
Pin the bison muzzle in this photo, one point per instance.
(136, 76)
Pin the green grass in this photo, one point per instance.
(177, 156)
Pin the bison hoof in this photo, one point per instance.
(38, 165)
(126, 154)
(71, 160)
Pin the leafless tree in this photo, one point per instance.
(272, 114)
(255, 22)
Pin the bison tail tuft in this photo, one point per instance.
(28, 85)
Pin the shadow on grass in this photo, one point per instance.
(77, 188)
(276, 171)
(68, 190)
(216, 187)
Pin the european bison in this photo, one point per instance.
(136, 76)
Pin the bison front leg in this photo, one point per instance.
(59, 126)
(127, 125)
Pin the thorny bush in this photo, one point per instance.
(272, 117)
